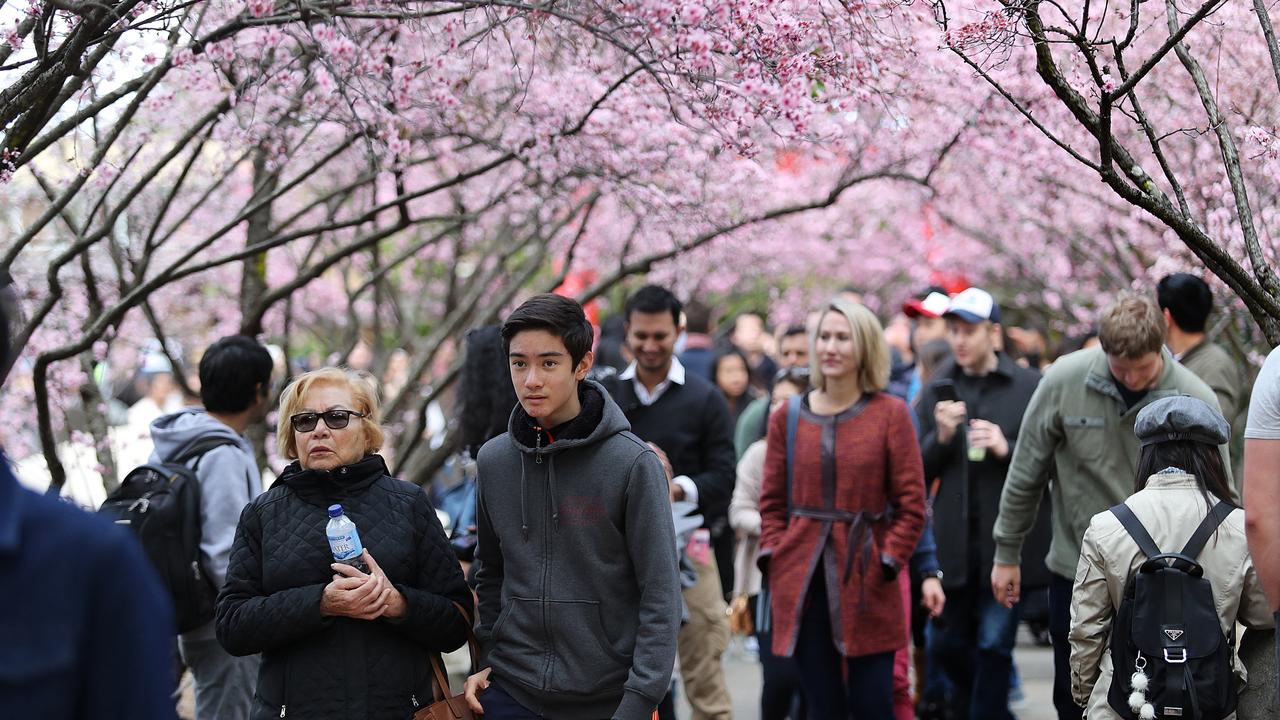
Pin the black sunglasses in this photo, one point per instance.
(333, 419)
(798, 375)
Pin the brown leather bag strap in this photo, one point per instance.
(440, 689)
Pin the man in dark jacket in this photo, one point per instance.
(687, 418)
(576, 555)
(87, 626)
(969, 420)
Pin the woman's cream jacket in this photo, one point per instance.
(1170, 507)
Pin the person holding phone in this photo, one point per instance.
(969, 419)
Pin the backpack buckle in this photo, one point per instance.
(1180, 655)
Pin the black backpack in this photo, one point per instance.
(161, 504)
(1167, 627)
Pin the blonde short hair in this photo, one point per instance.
(1132, 326)
(871, 352)
(364, 390)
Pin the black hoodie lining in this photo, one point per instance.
(526, 428)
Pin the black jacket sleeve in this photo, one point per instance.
(489, 573)
(430, 618)
(250, 621)
(719, 462)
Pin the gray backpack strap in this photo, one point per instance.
(793, 423)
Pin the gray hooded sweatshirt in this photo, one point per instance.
(576, 566)
(229, 479)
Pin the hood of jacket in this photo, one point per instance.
(171, 432)
(600, 418)
(325, 487)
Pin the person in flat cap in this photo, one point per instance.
(1180, 478)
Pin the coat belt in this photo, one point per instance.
(860, 543)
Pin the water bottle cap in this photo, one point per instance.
(335, 511)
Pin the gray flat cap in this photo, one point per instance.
(1181, 417)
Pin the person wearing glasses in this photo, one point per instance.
(337, 642)
(235, 382)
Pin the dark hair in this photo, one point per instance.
(485, 394)
(697, 317)
(793, 330)
(234, 372)
(1187, 298)
(558, 315)
(654, 299)
(929, 357)
(609, 344)
(1202, 460)
(728, 351)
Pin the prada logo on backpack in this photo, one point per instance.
(1174, 634)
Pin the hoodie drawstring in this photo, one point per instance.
(551, 488)
(524, 514)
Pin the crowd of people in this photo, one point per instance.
(878, 505)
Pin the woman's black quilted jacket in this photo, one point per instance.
(318, 667)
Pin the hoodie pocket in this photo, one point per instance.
(519, 642)
(586, 661)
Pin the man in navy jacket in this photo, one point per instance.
(87, 626)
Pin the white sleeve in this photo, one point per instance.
(1264, 404)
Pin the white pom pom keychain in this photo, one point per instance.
(1140, 683)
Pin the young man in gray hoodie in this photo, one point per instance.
(235, 380)
(576, 566)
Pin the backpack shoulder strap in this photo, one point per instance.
(793, 423)
(1135, 529)
(197, 447)
(1206, 529)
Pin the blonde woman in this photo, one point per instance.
(337, 642)
(840, 518)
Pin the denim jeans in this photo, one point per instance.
(974, 640)
(836, 687)
(1059, 624)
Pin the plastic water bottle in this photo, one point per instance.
(344, 539)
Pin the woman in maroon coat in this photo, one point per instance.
(833, 548)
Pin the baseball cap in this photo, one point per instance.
(974, 305)
(931, 304)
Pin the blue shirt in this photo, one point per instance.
(87, 627)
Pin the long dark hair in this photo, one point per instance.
(485, 394)
(1202, 460)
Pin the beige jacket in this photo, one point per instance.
(1170, 508)
(744, 518)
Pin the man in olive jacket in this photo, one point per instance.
(1081, 420)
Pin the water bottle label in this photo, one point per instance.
(345, 547)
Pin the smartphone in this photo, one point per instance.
(945, 390)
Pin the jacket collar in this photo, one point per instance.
(11, 500)
(1099, 379)
(1005, 367)
(324, 487)
(1172, 480)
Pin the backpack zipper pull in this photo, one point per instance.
(537, 450)
(282, 707)
(414, 700)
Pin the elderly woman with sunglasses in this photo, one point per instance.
(338, 642)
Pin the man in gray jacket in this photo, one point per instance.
(235, 380)
(576, 555)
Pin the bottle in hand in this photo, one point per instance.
(344, 539)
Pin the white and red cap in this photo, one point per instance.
(932, 305)
(974, 305)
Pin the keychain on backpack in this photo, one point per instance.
(1140, 682)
